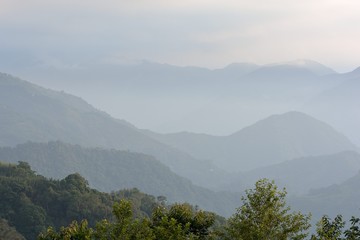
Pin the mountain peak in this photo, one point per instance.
(290, 115)
(310, 65)
(287, 136)
(294, 118)
(282, 71)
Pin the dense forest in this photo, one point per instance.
(31, 202)
(34, 207)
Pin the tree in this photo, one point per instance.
(75, 231)
(328, 229)
(182, 221)
(353, 232)
(125, 227)
(264, 215)
(8, 232)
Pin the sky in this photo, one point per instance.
(205, 33)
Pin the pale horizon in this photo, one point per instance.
(187, 33)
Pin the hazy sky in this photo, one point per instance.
(187, 32)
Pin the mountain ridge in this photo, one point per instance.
(320, 171)
(29, 112)
(110, 170)
(276, 138)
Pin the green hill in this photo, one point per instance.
(31, 202)
(109, 170)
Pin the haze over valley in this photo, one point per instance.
(189, 107)
(232, 163)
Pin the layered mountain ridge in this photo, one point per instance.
(29, 112)
(272, 140)
(112, 170)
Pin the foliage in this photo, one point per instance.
(109, 169)
(179, 222)
(328, 229)
(74, 231)
(30, 202)
(182, 221)
(264, 215)
(125, 227)
(7, 232)
(354, 231)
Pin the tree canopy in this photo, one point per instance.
(31, 204)
(264, 215)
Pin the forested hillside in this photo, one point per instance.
(109, 170)
(31, 202)
(8, 232)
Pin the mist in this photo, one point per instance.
(168, 102)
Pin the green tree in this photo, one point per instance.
(328, 229)
(7, 232)
(182, 221)
(264, 215)
(75, 231)
(166, 227)
(353, 232)
(125, 226)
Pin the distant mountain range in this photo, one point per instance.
(29, 112)
(272, 140)
(286, 146)
(342, 198)
(301, 175)
(340, 105)
(169, 98)
(312, 66)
